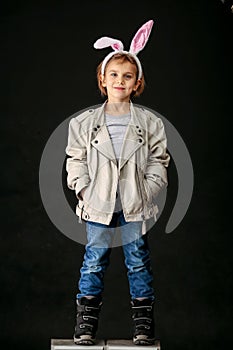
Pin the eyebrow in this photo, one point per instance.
(116, 71)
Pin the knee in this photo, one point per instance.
(92, 268)
(95, 260)
(137, 264)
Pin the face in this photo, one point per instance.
(120, 80)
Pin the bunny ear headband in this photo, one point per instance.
(137, 44)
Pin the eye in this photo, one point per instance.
(128, 76)
(113, 74)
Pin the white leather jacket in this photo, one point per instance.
(141, 170)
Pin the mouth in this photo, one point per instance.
(119, 88)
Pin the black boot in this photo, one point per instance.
(87, 320)
(143, 322)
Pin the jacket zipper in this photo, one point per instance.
(141, 192)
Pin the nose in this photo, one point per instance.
(120, 80)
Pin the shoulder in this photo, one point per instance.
(148, 116)
(85, 116)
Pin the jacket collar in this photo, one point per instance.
(133, 139)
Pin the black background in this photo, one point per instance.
(47, 74)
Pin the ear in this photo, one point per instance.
(103, 80)
(141, 37)
(137, 84)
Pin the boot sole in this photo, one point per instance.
(144, 341)
(84, 341)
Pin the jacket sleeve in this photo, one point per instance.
(76, 164)
(158, 159)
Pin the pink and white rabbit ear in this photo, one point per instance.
(141, 37)
(106, 41)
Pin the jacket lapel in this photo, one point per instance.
(103, 143)
(133, 140)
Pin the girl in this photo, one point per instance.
(116, 166)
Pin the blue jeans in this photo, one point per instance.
(97, 255)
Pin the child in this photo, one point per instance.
(116, 166)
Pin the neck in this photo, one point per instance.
(117, 108)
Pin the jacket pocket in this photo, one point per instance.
(87, 193)
(145, 189)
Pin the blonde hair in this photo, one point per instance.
(121, 57)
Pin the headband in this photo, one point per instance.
(137, 44)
